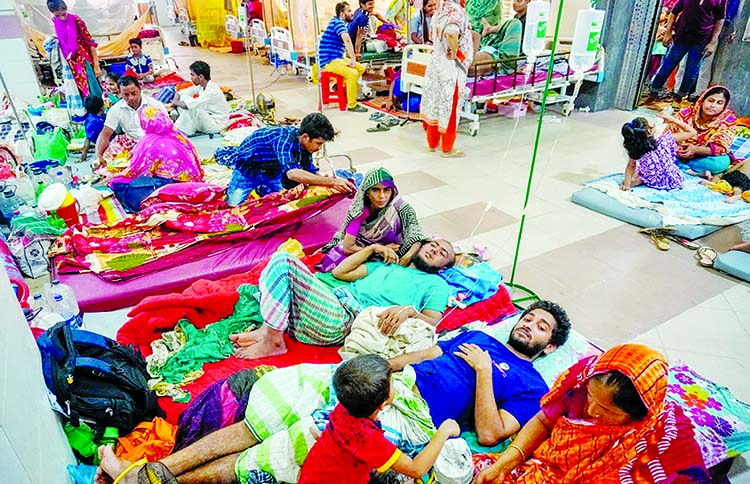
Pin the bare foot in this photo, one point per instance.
(247, 338)
(268, 346)
(111, 467)
(743, 247)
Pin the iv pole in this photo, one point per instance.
(15, 111)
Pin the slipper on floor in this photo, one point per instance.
(706, 256)
(377, 116)
(657, 230)
(453, 154)
(660, 241)
(378, 128)
(683, 242)
(155, 473)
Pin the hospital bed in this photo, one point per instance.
(282, 53)
(258, 35)
(496, 85)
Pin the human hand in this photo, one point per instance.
(390, 319)
(341, 185)
(492, 474)
(709, 49)
(450, 427)
(394, 246)
(352, 62)
(389, 255)
(98, 70)
(667, 40)
(475, 356)
(688, 151)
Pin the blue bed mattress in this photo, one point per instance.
(734, 263)
(599, 201)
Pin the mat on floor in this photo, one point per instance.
(735, 263)
(384, 104)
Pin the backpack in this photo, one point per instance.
(97, 379)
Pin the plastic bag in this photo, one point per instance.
(51, 146)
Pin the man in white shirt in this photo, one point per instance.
(202, 107)
(123, 117)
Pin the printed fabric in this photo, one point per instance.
(717, 134)
(658, 168)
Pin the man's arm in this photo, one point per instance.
(399, 362)
(306, 178)
(714, 42)
(102, 142)
(391, 318)
(346, 38)
(492, 424)
(353, 267)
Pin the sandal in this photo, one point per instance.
(390, 121)
(378, 128)
(666, 230)
(453, 154)
(156, 473)
(706, 256)
(377, 116)
(660, 241)
(683, 242)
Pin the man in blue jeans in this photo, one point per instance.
(280, 157)
(696, 34)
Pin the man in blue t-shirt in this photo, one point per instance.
(492, 387)
(294, 301)
(335, 42)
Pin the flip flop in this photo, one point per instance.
(683, 242)
(378, 128)
(666, 230)
(453, 154)
(391, 121)
(377, 116)
(706, 256)
(156, 473)
(660, 241)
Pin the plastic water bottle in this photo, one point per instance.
(535, 32)
(40, 315)
(9, 203)
(61, 175)
(38, 303)
(62, 301)
(24, 188)
(586, 39)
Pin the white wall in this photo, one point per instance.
(16, 65)
(33, 448)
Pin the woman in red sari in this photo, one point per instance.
(78, 48)
(605, 420)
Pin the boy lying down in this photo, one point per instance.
(493, 388)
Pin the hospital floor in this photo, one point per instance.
(616, 286)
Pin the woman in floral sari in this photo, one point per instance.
(77, 47)
(445, 77)
(163, 152)
(710, 116)
(605, 420)
(378, 215)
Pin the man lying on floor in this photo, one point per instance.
(493, 388)
(294, 301)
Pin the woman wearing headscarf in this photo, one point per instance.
(605, 420)
(714, 122)
(163, 151)
(445, 77)
(78, 48)
(378, 215)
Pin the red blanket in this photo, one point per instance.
(206, 302)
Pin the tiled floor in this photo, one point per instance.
(613, 281)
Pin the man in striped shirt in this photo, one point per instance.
(334, 43)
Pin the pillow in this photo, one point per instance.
(188, 192)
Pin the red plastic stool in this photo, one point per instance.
(330, 96)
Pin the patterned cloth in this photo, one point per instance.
(292, 299)
(476, 10)
(396, 223)
(504, 44)
(76, 44)
(444, 76)
(163, 152)
(652, 450)
(717, 134)
(658, 168)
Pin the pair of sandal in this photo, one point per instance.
(385, 125)
(661, 237)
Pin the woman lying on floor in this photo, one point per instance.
(378, 215)
(605, 421)
(653, 161)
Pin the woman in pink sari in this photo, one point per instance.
(78, 48)
(163, 152)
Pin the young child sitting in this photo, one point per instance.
(138, 62)
(113, 90)
(93, 123)
(353, 443)
(653, 161)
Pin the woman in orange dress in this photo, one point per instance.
(605, 420)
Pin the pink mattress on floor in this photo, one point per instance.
(498, 84)
(95, 294)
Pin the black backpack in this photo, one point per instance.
(97, 379)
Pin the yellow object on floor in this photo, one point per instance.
(721, 186)
(291, 246)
